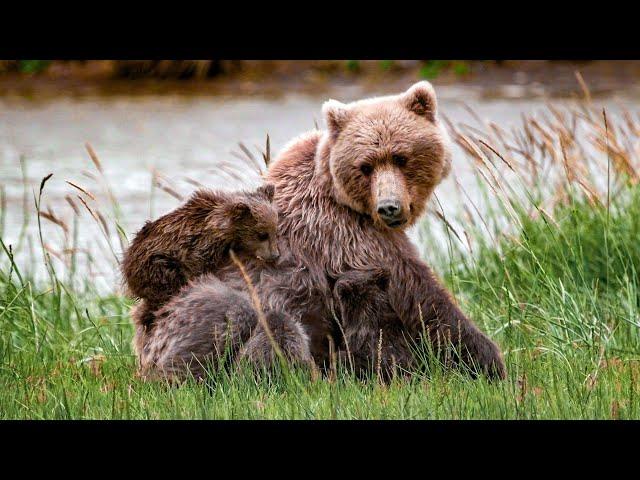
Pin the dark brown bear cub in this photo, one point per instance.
(362, 295)
(195, 239)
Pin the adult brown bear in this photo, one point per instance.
(345, 197)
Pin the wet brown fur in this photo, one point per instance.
(329, 221)
(376, 341)
(330, 224)
(374, 338)
(289, 336)
(195, 239)
(208, 323)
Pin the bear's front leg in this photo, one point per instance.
(422, 303)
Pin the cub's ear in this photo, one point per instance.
(421, 100)
(267, 190)
(225, 217)
(238, 210)
(344, 289)
(336, 115)
(353, 284)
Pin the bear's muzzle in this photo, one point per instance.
(391, 197)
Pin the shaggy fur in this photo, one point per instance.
(330, 219)
(345, 197)
(374, 338)
(195, 239)
(287, 335)
(207, 323)
(292, 287)
(194, 330)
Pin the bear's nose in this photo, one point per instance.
(389, 209)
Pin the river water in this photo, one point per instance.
(186, 139)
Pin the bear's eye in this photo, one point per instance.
(262, 236)
(399, 160)
(366, 169)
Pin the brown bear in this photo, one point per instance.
(206, 324)
(195, 239)
(345, 197)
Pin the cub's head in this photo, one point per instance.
(387, 154)
(361, 294)
(253, 220)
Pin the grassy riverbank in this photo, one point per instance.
(549, 269)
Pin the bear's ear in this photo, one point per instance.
(267, 190)
(237, 211)
(421, 100)
(344, 289)
(336, 115)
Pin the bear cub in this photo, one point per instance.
(361, 295)
(209, 323)
(195, 239)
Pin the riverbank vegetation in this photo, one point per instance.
(546, 262)
(200, 69)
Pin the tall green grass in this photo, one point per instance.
(552, 278)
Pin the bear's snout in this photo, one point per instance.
(390, 212)
(268, 251)
(273, 254)
(390, 195)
